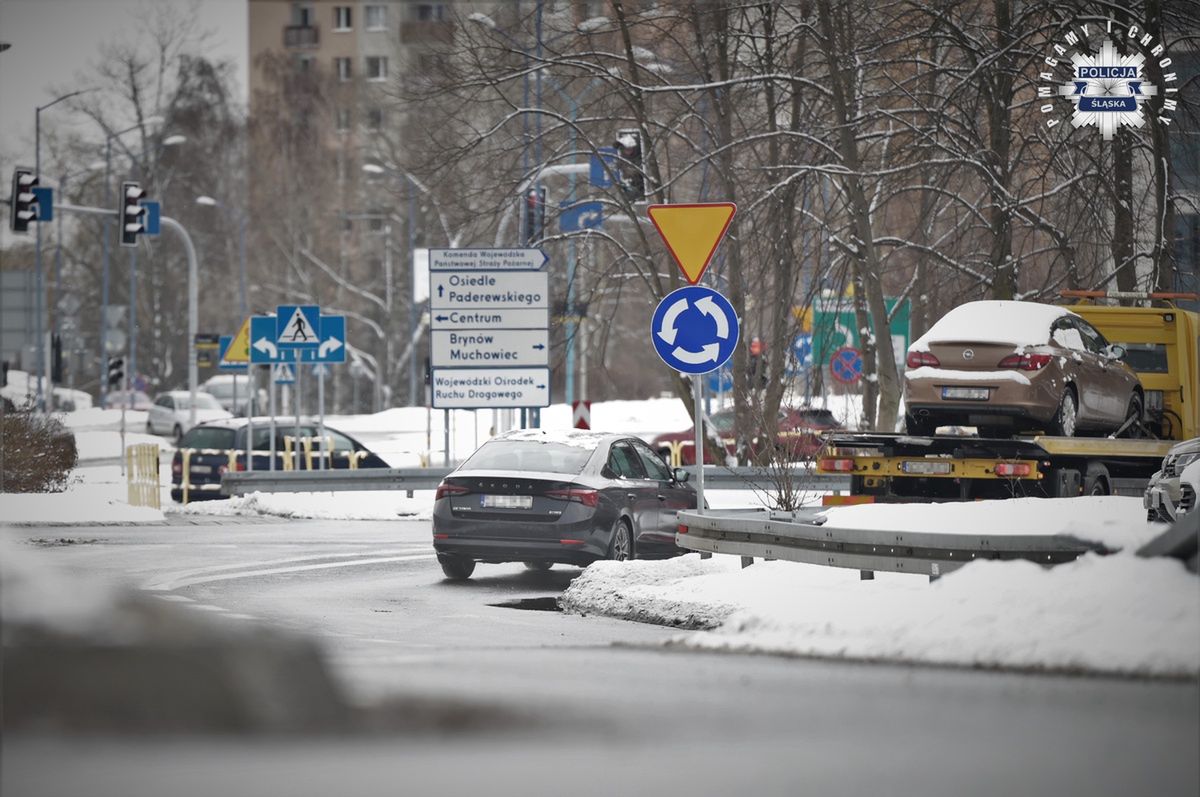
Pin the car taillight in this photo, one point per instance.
(445, 490)
(581, 494)
(1026, 362)
(918, 359)
(1013, 469)
(836, 464)
(176, 468)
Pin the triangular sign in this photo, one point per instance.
(239, 347)
(298, 330)
(284, 375)
(692, 233)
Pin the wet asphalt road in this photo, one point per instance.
(602, 707)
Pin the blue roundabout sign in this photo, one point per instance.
(694, 329)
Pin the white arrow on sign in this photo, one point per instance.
(328, 346)
(707, 353)
(266, 347)
(668, 331)
(709, 308)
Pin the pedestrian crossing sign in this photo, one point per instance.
(297, 326)
(238, 352)
(284, 375)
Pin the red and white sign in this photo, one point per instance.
(581, 414)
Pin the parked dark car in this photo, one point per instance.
(1004, 367)
(800, 433)
(542, 497)
(214, 447)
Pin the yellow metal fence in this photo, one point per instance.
(142, 475)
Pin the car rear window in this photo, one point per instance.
(529, 455)
(201, 437)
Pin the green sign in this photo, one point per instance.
(834, 327)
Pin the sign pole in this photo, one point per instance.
(250, 372)
(296, 390)
(271, 388)
(698, 400)
(446, 438)
(321, 418)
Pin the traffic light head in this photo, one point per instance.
(133, 221)
(24, 201)
(630, 163)
(534, 215)
(116, 371)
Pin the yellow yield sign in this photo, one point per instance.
(239, 348)
(692, 233)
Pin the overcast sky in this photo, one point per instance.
(53, 40)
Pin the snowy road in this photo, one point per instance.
(609, 710)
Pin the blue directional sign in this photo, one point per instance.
(802, 350)
(720, 380)
(262, 340)
(297, 326)
(694, 329)
(332, 348)
(153, 220)
(598, 175)
(45, 201)
(222, 365)
(581, 216)
(329, 330)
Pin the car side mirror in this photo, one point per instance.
(680, 475)
(1114, 351)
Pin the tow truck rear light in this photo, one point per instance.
(445, 490)
(1026, 362)
(681, 529)
(836, 464)
(918, 359)
(582, 495)
(1013, 469)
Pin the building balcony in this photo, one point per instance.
(426, 31)
(300, 36)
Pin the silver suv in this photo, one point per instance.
(1169, 493)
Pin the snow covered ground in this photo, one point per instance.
(1117, 614)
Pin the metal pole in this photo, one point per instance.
(271, 391)
(132, 364)
(446, 438)
(242, 256)
(321, 417)
(39, 280)
(253, 388)
(296, 390)
(698, 401)
(62, 186)
(104, 278)
(193, 308)
(412, 295)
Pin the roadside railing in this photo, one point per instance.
(802, 537)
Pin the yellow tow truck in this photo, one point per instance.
(1162, 344)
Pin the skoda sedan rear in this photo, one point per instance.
(543, 497)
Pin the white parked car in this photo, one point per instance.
(171, 413)
(1172, 490)
(223, 387)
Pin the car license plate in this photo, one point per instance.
(506, 501)
(201, 468)
(966, 393)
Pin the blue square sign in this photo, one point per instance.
(297, 326)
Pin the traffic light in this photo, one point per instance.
(133, 221)
(629, 163)
(24, 202)
(534, 217)
(116, 371)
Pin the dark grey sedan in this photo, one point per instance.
(544, 497)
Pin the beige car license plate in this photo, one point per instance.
(966, 393)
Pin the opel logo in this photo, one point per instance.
(968, 354)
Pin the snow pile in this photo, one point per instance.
(366, 505)
(104, 444)
(1001, 322)
(97, 418)
(1117, 614)
(1113, 521)
(90, 499)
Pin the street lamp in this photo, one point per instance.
(211, 202)
(40, 301)
(94, 166)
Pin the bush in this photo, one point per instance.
(37, 453)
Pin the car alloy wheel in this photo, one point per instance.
(1133, 416)
(1067, 415)
(621, 549)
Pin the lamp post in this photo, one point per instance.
(42, 401)
(106, 248)
(210, 202)
(62, 187)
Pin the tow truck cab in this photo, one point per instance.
(1162, 344)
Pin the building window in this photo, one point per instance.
(375, 119)
(430, 12)
(376, 67)
(304, 63)
(342, 18)
(593, 9)
(342, 120)
(375, 17)
(303, 15)
(343, 68)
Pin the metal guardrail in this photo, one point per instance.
(305, 481)
(800, 537)
(299, 481)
